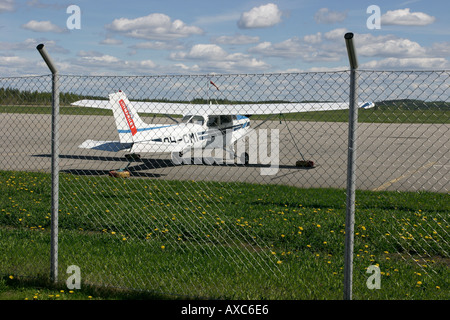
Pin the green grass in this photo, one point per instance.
(220, 240)
(41, 288)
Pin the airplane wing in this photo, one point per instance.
(222, 109)
(139, 106)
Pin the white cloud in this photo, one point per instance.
(327, 69)
(212, 58)
(202, 51)
(43, 26)
(158, 45)
(295, 48)
(96, 58)
(88, 61)
(441, 49)
(236, 39)
(6, 5)
(389, 46)
(325, 15)
(408, 63)
(194, 68)
(11, 61)
(40, 5)
(330, 47)
(336, 34)
(313, 38)
(406, 18)
(111, 41)
(214, 19)
(30, 44)
(260, 17)
(155, 26)
(401, 53)
(290, 48)
(140, 64)
(12, 65)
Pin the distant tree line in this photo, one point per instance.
(412, 104)
(10, 96)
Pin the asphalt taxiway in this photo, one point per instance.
(404, 157)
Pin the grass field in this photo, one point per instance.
(172, 239)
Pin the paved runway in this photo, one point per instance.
(390, 156)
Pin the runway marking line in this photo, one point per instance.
(406, 175)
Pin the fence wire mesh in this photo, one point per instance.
(219, 227)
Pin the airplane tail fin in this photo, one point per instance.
(127, 119)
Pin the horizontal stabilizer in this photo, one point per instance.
(112, 146)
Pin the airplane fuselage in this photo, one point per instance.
(192, 132)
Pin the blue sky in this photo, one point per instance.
(235, 36)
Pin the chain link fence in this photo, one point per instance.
(228, 229)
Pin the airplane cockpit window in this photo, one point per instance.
(225, 119)
(193, 119)
(213, 121)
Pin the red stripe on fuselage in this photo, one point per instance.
(128, 117)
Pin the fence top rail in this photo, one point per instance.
(221, 75)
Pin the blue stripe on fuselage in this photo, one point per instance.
(145, 129)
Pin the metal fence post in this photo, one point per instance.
(55, 163)
(351, 168)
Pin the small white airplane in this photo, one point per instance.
(198, 128)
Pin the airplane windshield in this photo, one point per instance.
(223, 120)
(193, 119)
